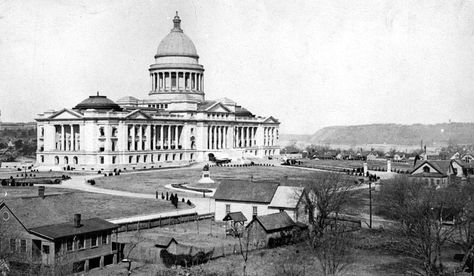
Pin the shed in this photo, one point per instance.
(168, 243)
(236, 221)
(276, 226)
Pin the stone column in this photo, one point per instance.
(162, 140)
(62, 138)
(169, 137)
(223, 136)
(71, 138)
(264, 136)
(132, 133)
(176, 142)
(226, 141)
(195, 81)
(149, 140)
(219, 139)
(214, 134)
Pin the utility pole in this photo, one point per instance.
(370, 204)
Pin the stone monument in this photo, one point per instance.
(206, 176)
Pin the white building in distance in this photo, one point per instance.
(174, 124)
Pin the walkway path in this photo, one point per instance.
(202, 205)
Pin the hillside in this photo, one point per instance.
(437, 134)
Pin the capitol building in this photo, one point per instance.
(173, 124)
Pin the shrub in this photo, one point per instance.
(188, 202)
(185, 260)
(182, 200)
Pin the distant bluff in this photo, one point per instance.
(459, 133)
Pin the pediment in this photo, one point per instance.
(218, 107)
(66, 114)
(137, 115)
(271, 120)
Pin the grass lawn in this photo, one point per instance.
(90, 205)
(151, 181)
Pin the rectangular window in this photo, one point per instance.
(46, 249)
(105, 240)
(57, 247)
(69, 245)
(101, 160)
(23, 246)
(93, 240)
(254, 213)
(81, 244)
(227, 209)
(12, 245)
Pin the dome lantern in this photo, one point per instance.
(177, 23)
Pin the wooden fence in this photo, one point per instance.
(161, 221)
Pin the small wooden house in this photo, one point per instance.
(275, 226)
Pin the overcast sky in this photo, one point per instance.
(308, 63)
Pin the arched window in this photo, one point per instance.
(75, 161)
(56, 160)
(426, 169)
(42, 158)
(66, 160)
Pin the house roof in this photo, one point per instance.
(235, 216)
(67, 229)
(275, 222)
(442, 166)
(35, 211)
(163, 241)
(245, 191)
(286, 197)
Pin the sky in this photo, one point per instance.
(310, 63)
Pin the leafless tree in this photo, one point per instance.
(334, 250)
(326, 194)
(421, 210)
(131, 246)
(244, 247)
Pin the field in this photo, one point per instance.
(91, 204)
(354, 164)
(372, 256)
(151, 181)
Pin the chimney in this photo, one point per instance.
(41, 192)
(77, 220)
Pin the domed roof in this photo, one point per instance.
(99, 103)
(128, 100)
(176, 43)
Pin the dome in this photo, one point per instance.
(128, 100)
(99, 103)
(176, 43)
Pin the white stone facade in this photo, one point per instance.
(174, 125)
